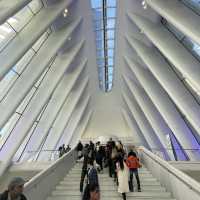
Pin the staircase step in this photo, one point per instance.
(107, 198)
(112, 194)
(110, 188)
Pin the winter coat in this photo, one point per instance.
(4, 196)
(123, 177)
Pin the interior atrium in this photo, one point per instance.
(86, 70)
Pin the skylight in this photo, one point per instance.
(104, 15)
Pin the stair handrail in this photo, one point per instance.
(32, 185)
(187, 180)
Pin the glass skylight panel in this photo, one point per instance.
(111, 3)
(111, 12)
(111, 23)
(104, 13)
(110, 52)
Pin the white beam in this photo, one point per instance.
(140, 140)
(166, 108)
(55, 105)
(64, 116)
(26, 38)
(143, 124)
(171, 48)
(169, 81)
(179, 15)
(33, 109)
(10, 7)
(152, 115)
(33, 72)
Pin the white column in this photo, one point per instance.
(26, 38)
(10, 7)
(171, 48)
(152, 115)
(64, 116)
(166, 108)
(143, 124)
(56, 103)
(26, 121)
(33, 71)
(169, 81)
(140, 140)
(179, 15)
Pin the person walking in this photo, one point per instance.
(123, 175)
(15, 190)
(133, 164)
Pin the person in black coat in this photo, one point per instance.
(15, 190)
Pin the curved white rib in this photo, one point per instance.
(143, 124)
(33, 109)
(179, 15)
(10, 7)
(174, 51)
(26, 38)
(169, 81)
(152, 115)
(33, 71)
(166, 108)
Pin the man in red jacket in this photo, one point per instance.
(133, 165)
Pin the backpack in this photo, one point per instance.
(133, 162)
(92, 176)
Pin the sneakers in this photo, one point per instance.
(139, 190)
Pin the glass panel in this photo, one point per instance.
(96, 3)
(110, 34)
(40, 41)
(111, 12)
(7, 82)
(105, 31)
(110, 52)
(35, 6)
(110, 23)
(19, 20)
(111, 3)
(110, 61)
(110, 43)
(22, 63)
(100, 53)
(6, 130)
(100, 44)
(193, 4)
(6, 34)
(26, 100)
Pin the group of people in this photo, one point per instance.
(122, 165)
(62, 150)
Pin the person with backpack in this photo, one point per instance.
(133, 164)
(92, 180)
(85, 166)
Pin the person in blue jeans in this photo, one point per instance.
(133, 165)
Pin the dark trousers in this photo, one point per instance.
(124, 196)
(83, 174)
(134, 171)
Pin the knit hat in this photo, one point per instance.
(16, 181)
